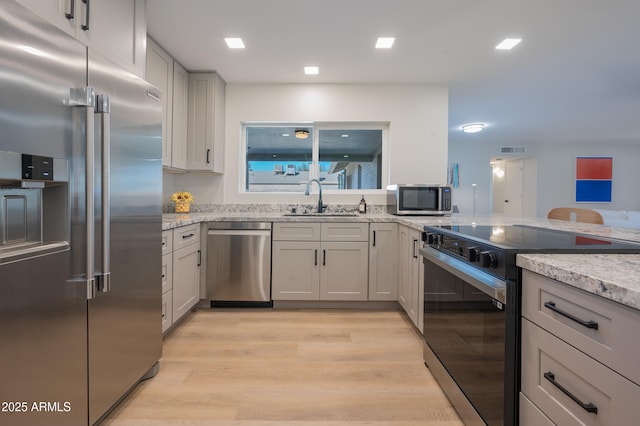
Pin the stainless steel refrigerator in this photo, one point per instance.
(80, 227)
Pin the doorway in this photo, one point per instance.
(513, 187)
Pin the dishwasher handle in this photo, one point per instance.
(248, 232)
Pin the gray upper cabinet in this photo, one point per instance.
(115, 28)
(179, 116)
(173, 80)
(205, 133)
(159, 72)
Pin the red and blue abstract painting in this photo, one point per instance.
(594, 179)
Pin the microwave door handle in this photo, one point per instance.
(104, 109)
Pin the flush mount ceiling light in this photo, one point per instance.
(311, 70)
(234, 42)
(302, 133)
(473, 128)
(385, 42)
(508, 43)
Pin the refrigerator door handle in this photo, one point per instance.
(85, 97)
(103, 107)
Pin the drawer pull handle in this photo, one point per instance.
(589, 407)
(184, 237)
(588, 324)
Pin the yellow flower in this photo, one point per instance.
(182, 196)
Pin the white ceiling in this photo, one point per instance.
(574, 77)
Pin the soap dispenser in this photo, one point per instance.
(362, 207)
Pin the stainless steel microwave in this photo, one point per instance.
(419, 199)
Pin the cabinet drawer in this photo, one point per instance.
(185, 236)
(614, 342)
(530, 415)
(296, 232)
(167, 241)
(344, 232)
(167, 272)
(545, 358)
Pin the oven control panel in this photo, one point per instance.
(482, 256)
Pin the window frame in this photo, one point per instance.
(314, 169)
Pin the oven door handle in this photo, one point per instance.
(488, 284)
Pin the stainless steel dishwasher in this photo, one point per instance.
(239, 263)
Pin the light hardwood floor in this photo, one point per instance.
(289, 368)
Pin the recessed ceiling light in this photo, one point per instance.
(346, 156)
(385, 42)
(285, 135)
(311, 70)
(234, 42)
(473, 128)
(344, 135)
(508, 43)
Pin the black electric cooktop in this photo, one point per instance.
(524, 238)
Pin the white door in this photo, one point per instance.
(513, 188)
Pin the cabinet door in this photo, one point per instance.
(410, 271)
(295, 270)
(159, 72)
(117, 29)
(404, 264)
(205, 139)
(414, 276)
(167, 272)
(56, 12)
(344, 271)
(186, 280)
(167, 310)
(180, 111)
(383, 261)
(344, 231)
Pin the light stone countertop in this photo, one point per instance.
(615, 277)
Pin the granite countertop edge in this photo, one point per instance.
(612, 276)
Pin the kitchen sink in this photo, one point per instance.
(321, 214)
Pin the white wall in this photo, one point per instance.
(417, 117)
(554, 185)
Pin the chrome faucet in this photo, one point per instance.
(321, 207)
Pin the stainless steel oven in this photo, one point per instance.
(470, 331)
(472, 300)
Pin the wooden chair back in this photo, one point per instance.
(574, 214)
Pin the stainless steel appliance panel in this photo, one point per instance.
(239, 262)
(43, 315)
(125, 330)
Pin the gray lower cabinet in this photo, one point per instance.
(410, 284)
(295, 272)
(181, 264)
(579, 356)
(320, 261)
(383, 261)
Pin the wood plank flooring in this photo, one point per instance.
(289, 368)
